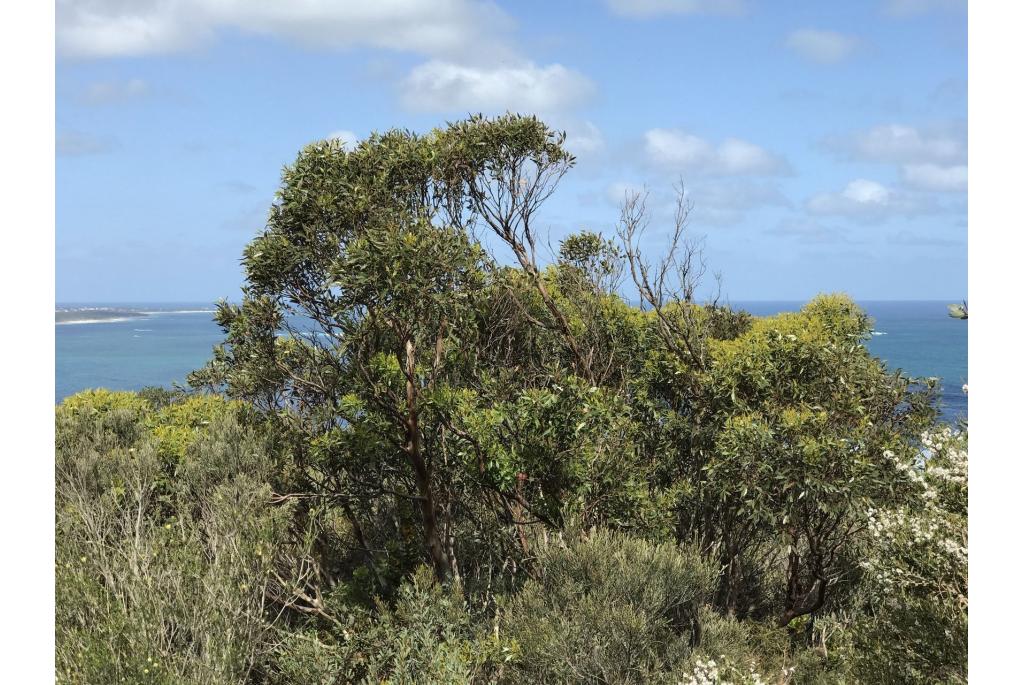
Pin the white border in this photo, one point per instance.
(26, 400)
(996, 219)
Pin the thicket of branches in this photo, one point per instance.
(420, 465)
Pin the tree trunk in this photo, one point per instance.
(414, 450)
(800, 599)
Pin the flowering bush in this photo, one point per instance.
(721, 672)
(914, 627)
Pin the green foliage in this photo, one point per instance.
(428, 636)
(598, 475)
(158, 397)
(797, 417)
(587, 257)
(480, 149)
(914, 625)
(744, 644)
(404, 440)
(160, 579)
(606, 607)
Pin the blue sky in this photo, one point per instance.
(823, 145)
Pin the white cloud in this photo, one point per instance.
(867, 201)
(902, 144)
(823, 47)
(866, 192)
(447, 86)
(438, 28)
(808, 231)
(930, 159)
(78, 144)
(348, 138)
(584, 138)
(112, 92)
(471, 64)
(619, 191)
(859, 196)
(644, 9)
(906, 8)
(715, 203)
(677, 148)
(936, 177)
(679, 151)
(740, 157)
(100, 28)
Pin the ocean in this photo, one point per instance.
(128, 346)
(122, 348)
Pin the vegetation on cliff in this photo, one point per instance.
(410, 462)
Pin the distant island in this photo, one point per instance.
(78, 313)
(96, 315)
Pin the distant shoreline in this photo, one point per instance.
(89, 315)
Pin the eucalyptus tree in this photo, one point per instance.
(361, 304)
(451, 409)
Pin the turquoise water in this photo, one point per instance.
(162, 347)
(158, 349)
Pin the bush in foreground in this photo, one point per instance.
(162, 564)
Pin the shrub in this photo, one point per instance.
(412, 401)
(913, 626)
(427, 636)
(102, 417)
(606, 607)
(160, 579)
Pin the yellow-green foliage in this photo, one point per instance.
(102, 401)
(786, 351)
(103, 416)
(176, 427)
(162, 579)
(813, 358)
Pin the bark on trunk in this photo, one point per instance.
(800, 599)
(414, 450)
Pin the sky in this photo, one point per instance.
(823, 145)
